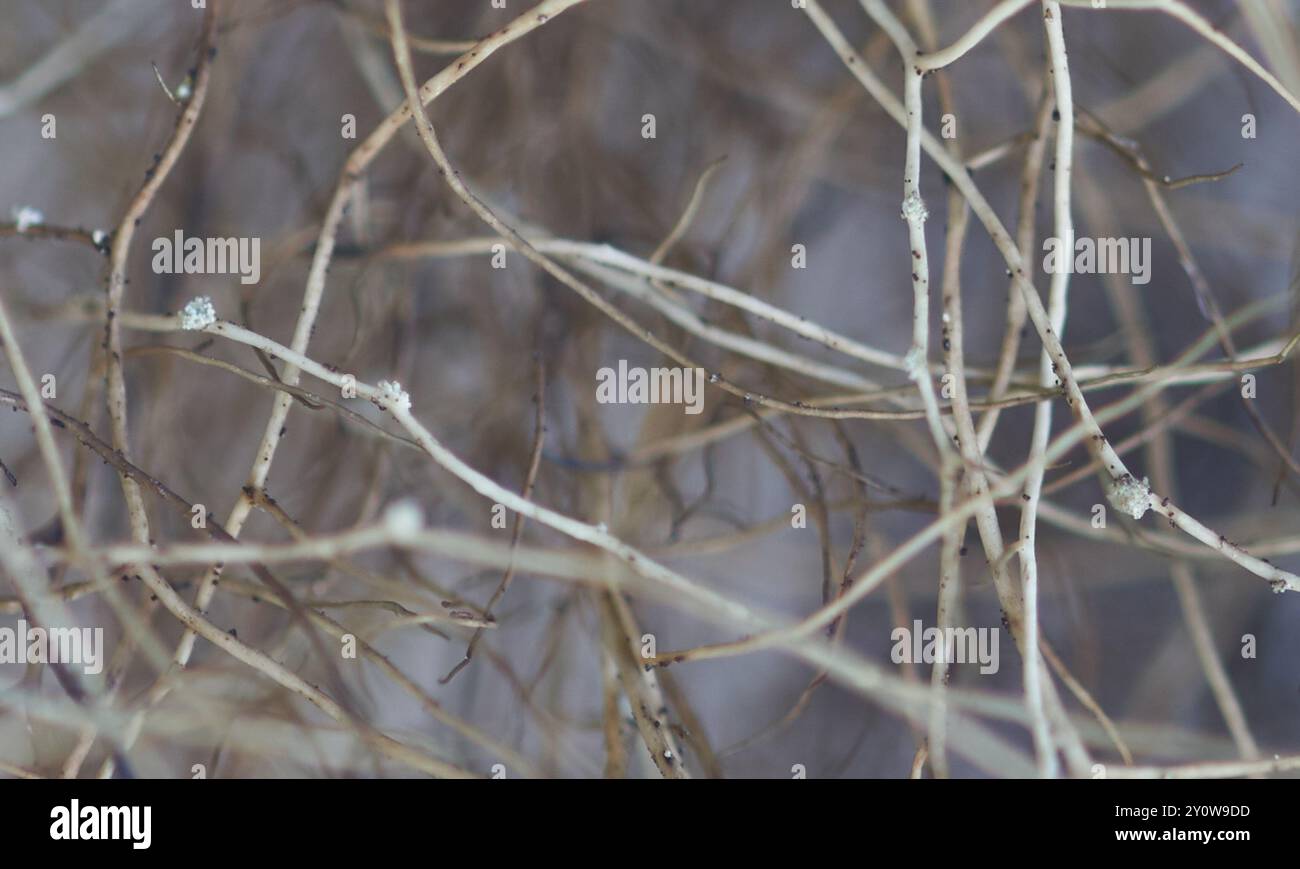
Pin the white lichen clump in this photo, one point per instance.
(392, 394)
(198, 313)
(1129, 496)
(914, 207)
(25, 217)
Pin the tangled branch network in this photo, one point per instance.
(607, 388)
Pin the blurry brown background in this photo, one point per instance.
(549, 129)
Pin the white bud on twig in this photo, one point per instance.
(1129, 496)
(198, 313)
(25, 216)
(914, 207)
(391, 393)
(914, 364)
(404, 518)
